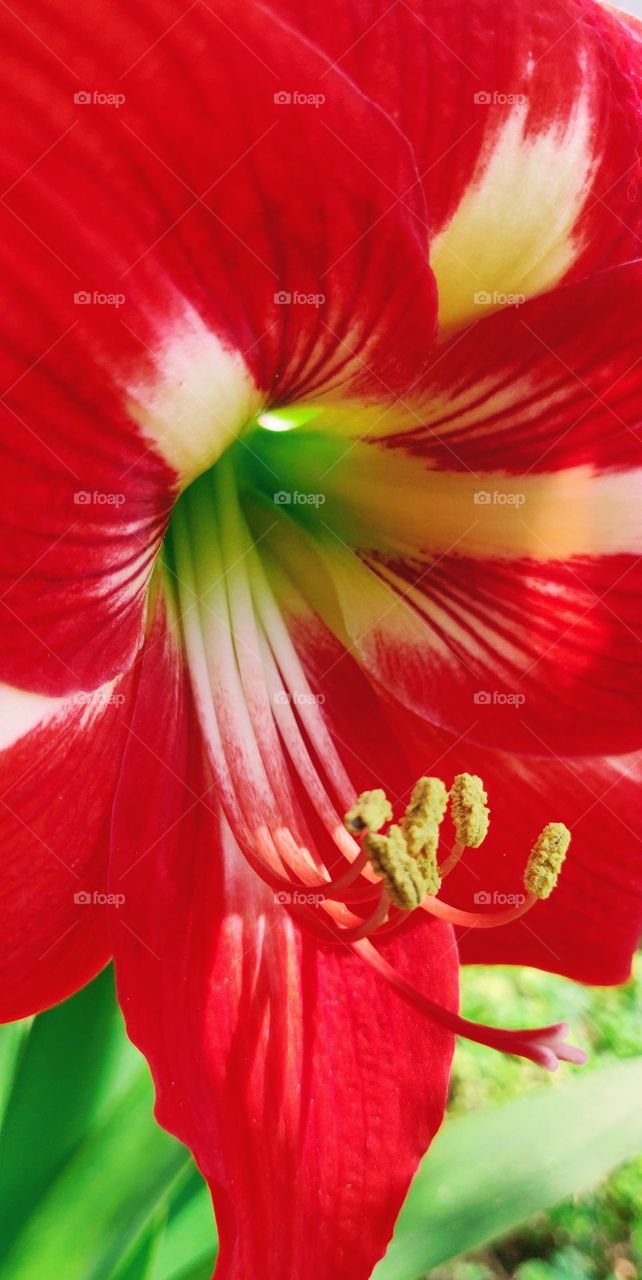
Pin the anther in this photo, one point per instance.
(371, 811)
(402, 873)
(469, 810)
(420, 825)
(546, 858)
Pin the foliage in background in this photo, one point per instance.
(597, 1236)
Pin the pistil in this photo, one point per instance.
(545, 1046)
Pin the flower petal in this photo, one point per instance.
(170, 228)
(59, 761)
(271, 1052)
(498, 539)
(526, 124)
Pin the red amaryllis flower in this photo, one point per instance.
(298, 506)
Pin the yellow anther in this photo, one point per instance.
(402, 873)
(420, 823)
(546, 858)
(371, 811)
(420, 826)
(469, 810)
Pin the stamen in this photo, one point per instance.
(406, 859)
(403, 874)
(545, 862)
(469, 809)
(371, 811)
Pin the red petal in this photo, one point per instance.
(305, 1087)
(560, 110)
(195, 215)
(58, 771)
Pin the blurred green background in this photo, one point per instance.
(532, 1176)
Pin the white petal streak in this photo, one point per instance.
(514, 229)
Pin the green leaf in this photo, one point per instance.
(70, 1061)
(196, 1271)
(190, 1235)
(489, 1171)
(104, 1199)
(12, 1038)
(140, 1263)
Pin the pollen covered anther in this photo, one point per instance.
(402, 873)
(370, 813)
(469, 809)
(546, 858)
(420, 826)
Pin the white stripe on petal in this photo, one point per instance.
(200, 399)
(513, 232)
(21, 711)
